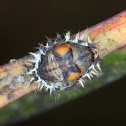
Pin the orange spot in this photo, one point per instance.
(63, 49)
(73, 76)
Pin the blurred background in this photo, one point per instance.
(24, 24)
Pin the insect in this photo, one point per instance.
(64, 63)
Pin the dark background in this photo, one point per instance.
(25, 23)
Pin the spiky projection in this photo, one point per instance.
(50, 63)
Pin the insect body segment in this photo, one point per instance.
(62, 63)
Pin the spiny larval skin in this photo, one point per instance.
(64, 63)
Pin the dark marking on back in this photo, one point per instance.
(82, 57)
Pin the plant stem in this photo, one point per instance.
(108, 36)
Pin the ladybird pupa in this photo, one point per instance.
(64, 62)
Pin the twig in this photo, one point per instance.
(108, 36)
